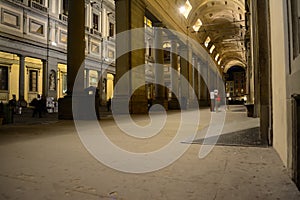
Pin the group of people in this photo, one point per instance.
(215, 101)
(39, 106)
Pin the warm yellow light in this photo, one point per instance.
(212, 48)
(217, 57)
(207, 41)
(197, 25)
(182, 9)
(219, 63)
(186, 9)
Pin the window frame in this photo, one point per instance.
(7, 78)
(30, 80)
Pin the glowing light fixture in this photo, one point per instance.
(53, 43)
(217, 57)
(219, 62)
(186, 9)
(212, 48)
(207, 41)
(197, 25)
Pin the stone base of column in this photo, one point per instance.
(173, 104)
(83, 105)
(193, 103)
(139, 106)
(203, 103)
(65, 108)
(162, 102)
(120, 105)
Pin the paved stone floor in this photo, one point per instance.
(48, 161)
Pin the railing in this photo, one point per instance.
(18, 1)
(95, 32)
(37, 6)
(63, 17)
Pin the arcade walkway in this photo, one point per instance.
(48, 161)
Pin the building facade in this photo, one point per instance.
(33, 48)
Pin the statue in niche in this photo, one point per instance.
(52, 80)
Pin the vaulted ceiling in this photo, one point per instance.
(222, 21)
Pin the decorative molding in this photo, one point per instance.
(10, 18)
(63, 18)
(37, 27)
(37, 6)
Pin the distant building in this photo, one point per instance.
(33, 48)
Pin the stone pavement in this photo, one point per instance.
(49, 161)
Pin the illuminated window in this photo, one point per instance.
(186, 9)
(197, 25)
(3, 78)
(207, 41)
(147, 22)
(212, 48)
(33, 80)
(64, 82)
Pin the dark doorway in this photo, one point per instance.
(296, 140)
(235, 79)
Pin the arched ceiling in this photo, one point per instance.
(223, 21)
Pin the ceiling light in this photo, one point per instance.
(212, 48)
(207, 41)
(186, 9)
(197, 25)
(182, 9)
(217, 57)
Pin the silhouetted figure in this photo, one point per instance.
(37, 104)
(13, 104)
(108, 104)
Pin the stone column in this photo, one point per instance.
(87, 77)
(195, 81)
(75, 57)
(184, 70)
(204, 98)
(265, 76)
(22, 78)
(174, 102)
(45, 85)
(160, 94)
(190, 75)
(130, 14)
(101, 86)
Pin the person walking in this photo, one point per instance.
(37, 104)
(108, 104)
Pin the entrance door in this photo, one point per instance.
(296, 140)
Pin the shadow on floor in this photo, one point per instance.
(248, 137)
